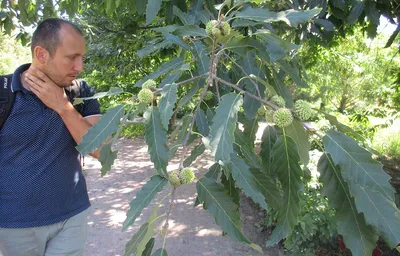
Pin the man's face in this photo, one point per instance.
(67, 62)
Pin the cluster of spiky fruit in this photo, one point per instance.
(278, 100)
(283, 117)
(145, 96)
(149, 84)
(218, 29)
(209, 95)
(302, 109)
(186, 176)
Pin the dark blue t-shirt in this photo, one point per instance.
(41, 181)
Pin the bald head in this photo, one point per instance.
(47, 34)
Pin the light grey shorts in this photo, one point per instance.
(63, 238)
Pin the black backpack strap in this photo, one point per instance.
(74, 91)
(6, 98)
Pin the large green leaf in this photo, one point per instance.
(149, 247)
(151, 220)
(213, 173)
(357, 165)
(355, 12)
(230, 187)
(222, 208)
(152, 47)
(202, 124)
(291, 17)
(297, 132)
(250, 128)
(140, 6)
(162, 70)
(143, 198)
(112, 92)
(185, 18)
(196, 152)
(246, 180)
(246, 149)
(282, 89)
(156, 140)
(172, 78)
(223, 127)
(190, 30)
(286, 164)
(160, 252)
(357, 235)
(132, 245)
(107, 157)
(268, 188)
(202, 59)
(101, 131)
(168, 99)
(293, 72)
(176, 40)
(152, 9)
(268, 140)
(341, 127)
(379, 212)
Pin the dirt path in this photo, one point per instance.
(192, 230)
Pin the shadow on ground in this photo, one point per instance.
(192, 230)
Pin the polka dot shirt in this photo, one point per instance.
(41, 181)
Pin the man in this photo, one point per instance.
(43, 197)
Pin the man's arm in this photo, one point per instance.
(55, 98)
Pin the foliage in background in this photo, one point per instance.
(133, 130)
(12, 54)
(387, 141)
(315, 231)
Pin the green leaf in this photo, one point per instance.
(156, 140)
(230, 187)
(379, 212)
(297, 132)
(185, 99)
(291, 17)
(107, 158)
(268, 188)
(143, 198)
(202, 122)
(246, 149)
(196, 152)
(203, 61)
(140, 6)
(250, 128)
(149, 247)
(113, 91)
(213, 173)
(286, 163)
(246, 180)
(190, 30)
(185, 18)
(176, 40)
(223, 127)
(172, 78)
(221, 207)
(132, 245)
(160, 252)
(162, 70)
(357, 165)
(151, 48)
(268, 140)
(101, 131)
(282, 89)
(168, 99)
(326, 24)
(151, 220)
(293, 73)
(357, 235)
(355, 12)
(341, 127)
(152, 9)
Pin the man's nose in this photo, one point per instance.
(78, 65)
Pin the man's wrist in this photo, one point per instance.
(65, 109)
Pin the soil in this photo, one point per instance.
(192, 229)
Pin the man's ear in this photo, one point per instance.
(41, 54)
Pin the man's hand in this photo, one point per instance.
(52, 95)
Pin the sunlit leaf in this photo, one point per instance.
(169, 95)
(152, 9)
(107, 157)
(298, 133)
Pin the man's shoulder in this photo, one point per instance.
(85, 89)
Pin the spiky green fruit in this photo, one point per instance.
(216, 32)
(149, 84)
(209, 95)
(186, 176)
(269, 116)
(283, 117)
(225, 28)
(210, 25)
(278, 100)
(174, 178)
(302, 109)
(145, 96)
(261, 111)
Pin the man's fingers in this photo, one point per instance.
(32, 80)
